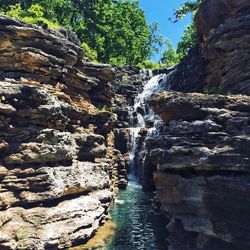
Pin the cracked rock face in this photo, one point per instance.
(220, 62)
(202, 159)
(59, 167)
(51, 227)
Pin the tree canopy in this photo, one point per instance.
(111, 31)
(170, 57)
(188, 39)
(185, 8)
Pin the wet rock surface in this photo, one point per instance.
(202, 161)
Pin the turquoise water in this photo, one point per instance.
(136, 226)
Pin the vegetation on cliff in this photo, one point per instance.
(171, 56)
(111, 31)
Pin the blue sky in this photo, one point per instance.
(159, 11)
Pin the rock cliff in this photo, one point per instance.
(59, 167)
(220, 62)
(200, 156)
(202, 160)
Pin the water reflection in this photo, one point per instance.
(136, 226)
(133, 225)
(99, 240)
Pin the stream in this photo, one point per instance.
(134, 224)
(137, 226)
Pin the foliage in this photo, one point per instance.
(155, 41)
(149, 65)
(170, 57)
(214, 90)
(188, 39)
(14, 11)
(34, 14)
(187, 7)
(124, 41)
(89, 52)
(112, 31)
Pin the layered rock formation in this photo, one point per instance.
(59, 167)
(220, 63)
(202, 160)
(200, 157)
(65, 138)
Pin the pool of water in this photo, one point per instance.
(137, 227)
(133, 223)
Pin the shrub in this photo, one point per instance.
(89, 52)
(34, 15)
(214, 90)
(149, 65)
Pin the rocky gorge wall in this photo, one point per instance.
(220, 62)
(59, 167)
(202, 161)
(199, 158)
(64, 136)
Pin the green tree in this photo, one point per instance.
(90, 53)
(14, 11)
(115, 29)
(149, 65)
(188, 39)
(186, 8)
(170, 57)
(34, 14)
(155, 41)
(127, 41)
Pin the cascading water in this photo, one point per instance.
(141, 114)
(137, 226)
(134, 224)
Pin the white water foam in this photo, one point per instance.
(144, 114)
(151, 87)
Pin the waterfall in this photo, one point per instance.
(143, 119)
(141, 114)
